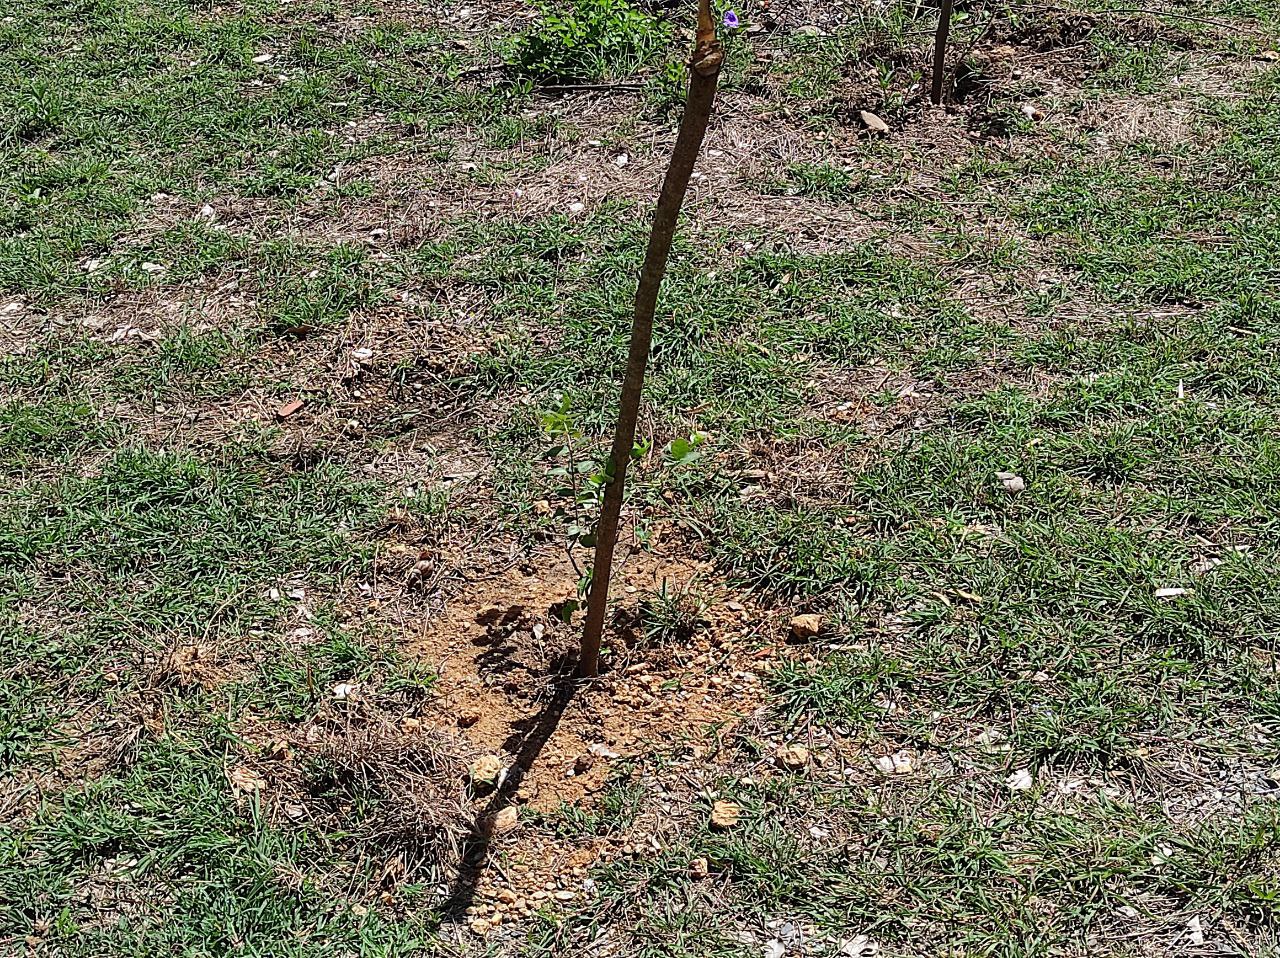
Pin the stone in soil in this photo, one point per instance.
(792, 757)
(806, 626)
(725, 815)
(485, 771)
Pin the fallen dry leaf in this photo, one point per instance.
(289, 408)
(245, 780)
(873, 122)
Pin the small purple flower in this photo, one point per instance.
(731, 20)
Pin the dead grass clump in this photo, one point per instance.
(187, 666)
(401, 794)
(1043, 34)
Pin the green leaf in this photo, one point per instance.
(567, 608)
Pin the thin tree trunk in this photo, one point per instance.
(704, 73)
(940, 51)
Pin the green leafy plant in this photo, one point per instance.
(580, 479)
(683, 451)
(664, 92)
(587, 40)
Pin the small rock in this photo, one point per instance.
(1171, 592)
(152, 268)
(485, 770)
(1019, 781)
(262, 58)
(577, 207)
(899, 763)
(506, 895)
(699, 869)
(468, 718)
(504, 821)
(791, 757)
(873, 122)
(806, 626)
(583, 763)
(1032, 112)
(344, 690)
(1011, 481)
(1270, 56)
(479, 926)
(725, 815)
(563, 896)
(621, 160)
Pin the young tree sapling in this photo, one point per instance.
(704, 74)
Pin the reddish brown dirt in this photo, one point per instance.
(502, 654)
(499, 648)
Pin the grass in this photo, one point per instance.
(184, 580)
(144, 557)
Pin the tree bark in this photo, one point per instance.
(704, 74)
(940, 51)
